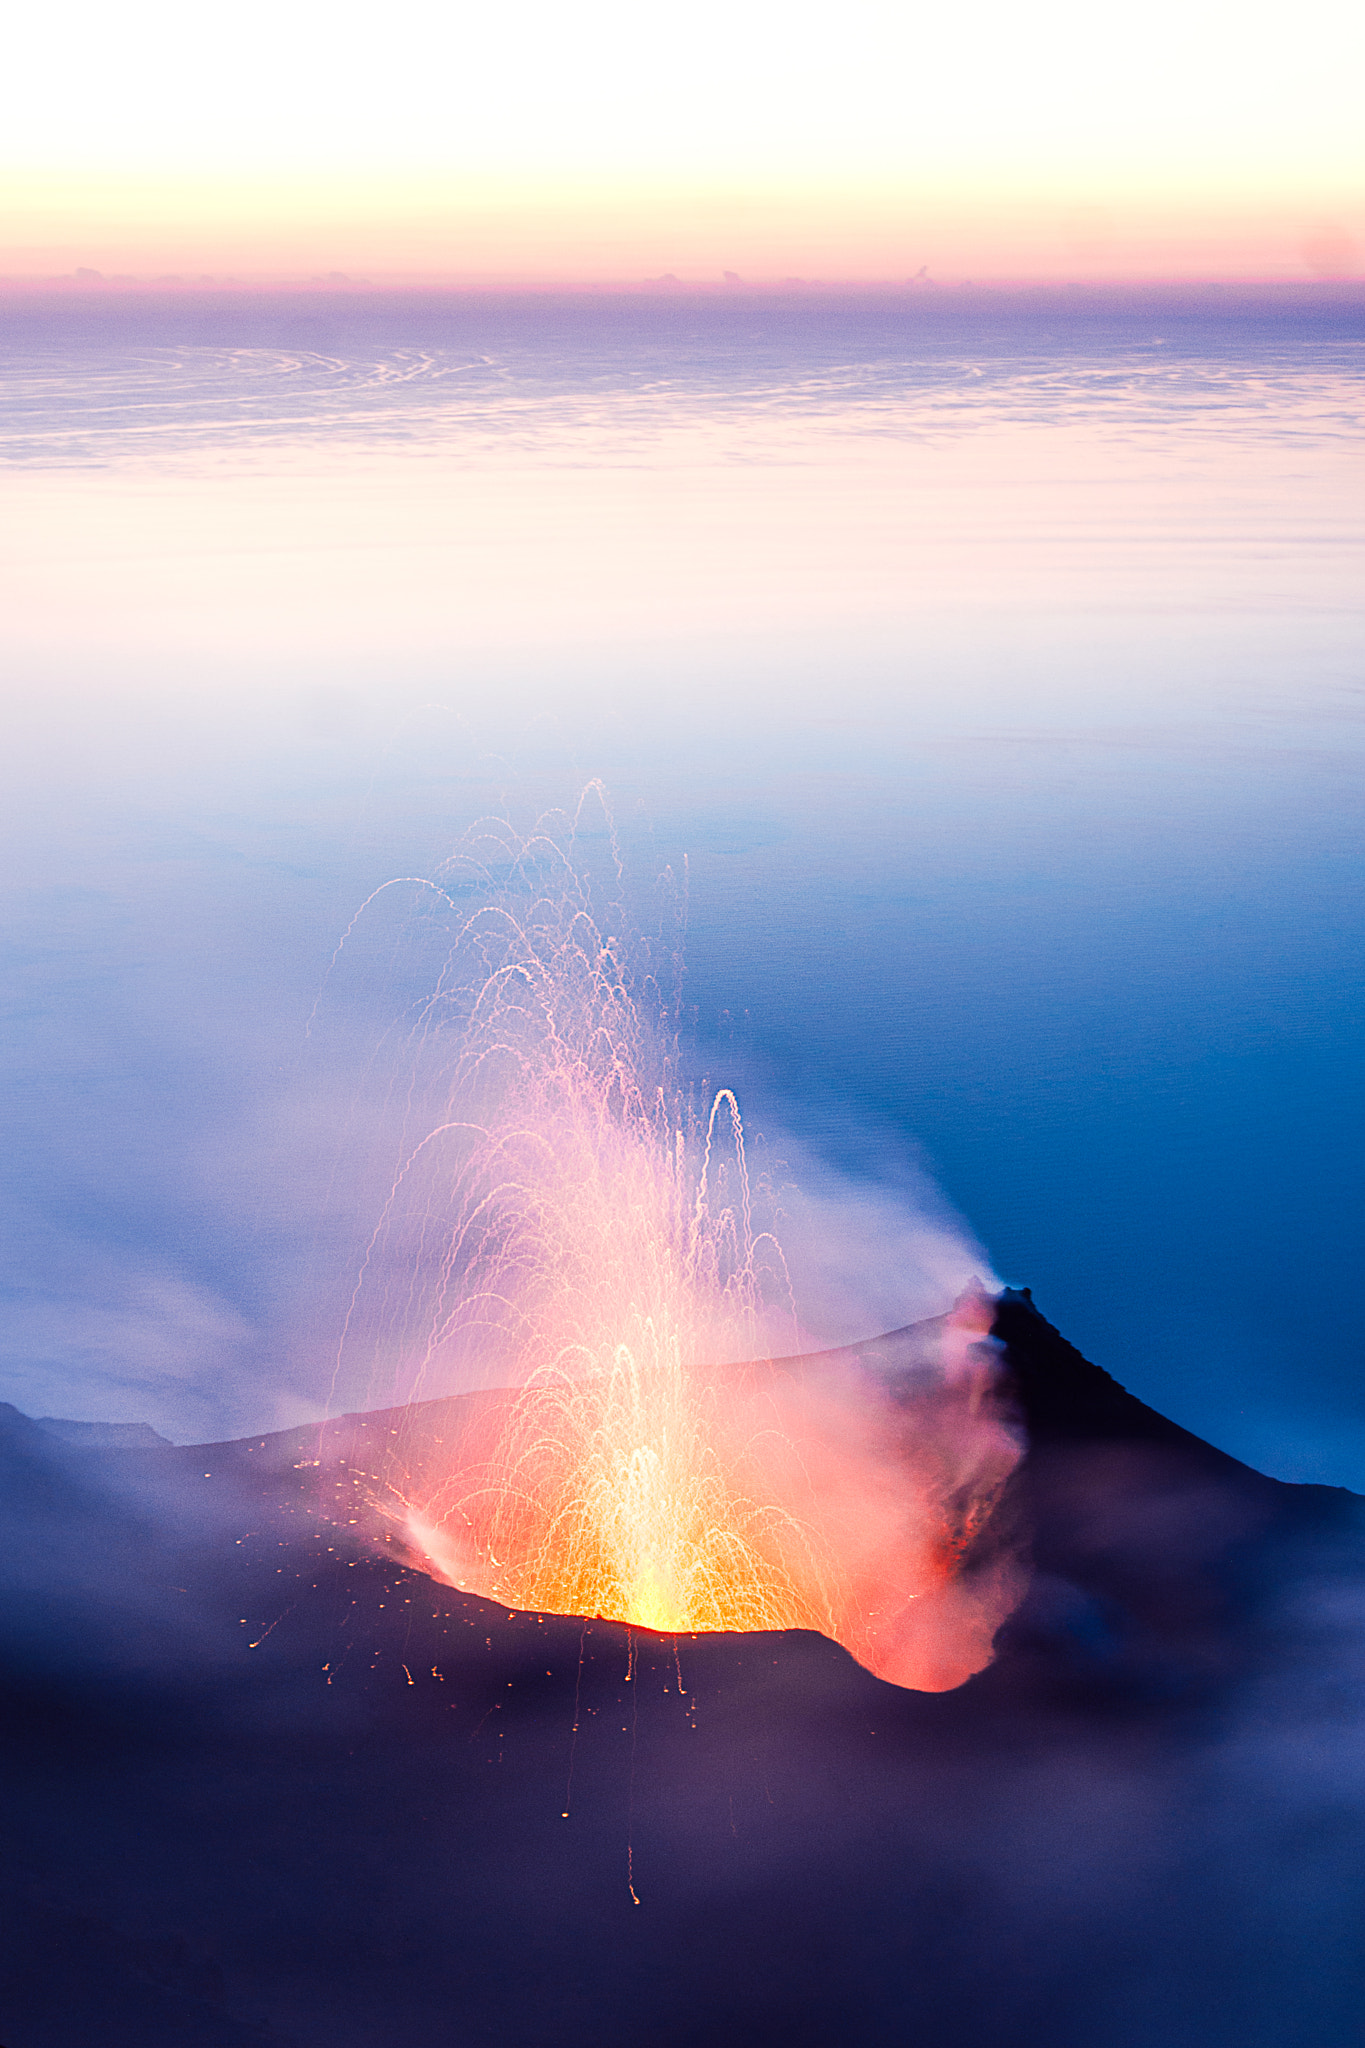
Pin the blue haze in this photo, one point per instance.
(1058, 898)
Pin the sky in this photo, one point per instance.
(609, 143)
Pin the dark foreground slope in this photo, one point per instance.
(257, 1787)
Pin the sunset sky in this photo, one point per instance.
(614, 143)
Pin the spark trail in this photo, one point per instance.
(567, 1215)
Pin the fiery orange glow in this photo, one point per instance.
(568, 1204)
(806, 1493)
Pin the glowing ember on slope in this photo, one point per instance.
(568, 1203)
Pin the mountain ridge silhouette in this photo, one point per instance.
(261, 1785)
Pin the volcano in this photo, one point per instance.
(267, 1782)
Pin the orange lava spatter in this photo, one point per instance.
(567, 1222)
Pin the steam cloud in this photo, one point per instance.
(567, 1221)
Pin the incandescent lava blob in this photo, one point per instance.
(567, 1214)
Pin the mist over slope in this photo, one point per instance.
(264, 1783)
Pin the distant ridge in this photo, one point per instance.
(103, 1436)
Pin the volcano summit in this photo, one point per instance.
(267, 1781)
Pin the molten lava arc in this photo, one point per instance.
(566, 1220)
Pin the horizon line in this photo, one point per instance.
(95, 284)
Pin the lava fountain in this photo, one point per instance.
(568, 1217)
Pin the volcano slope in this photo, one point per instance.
(259, 1784)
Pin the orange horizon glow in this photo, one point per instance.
(131, 235)
(875, 141)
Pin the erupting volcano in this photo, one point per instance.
(570, 1223)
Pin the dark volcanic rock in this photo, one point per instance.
(258, 1785)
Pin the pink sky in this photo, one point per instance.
(1204, 140)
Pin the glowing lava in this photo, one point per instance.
(565, 1213)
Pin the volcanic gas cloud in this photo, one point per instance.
(568, 1215)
